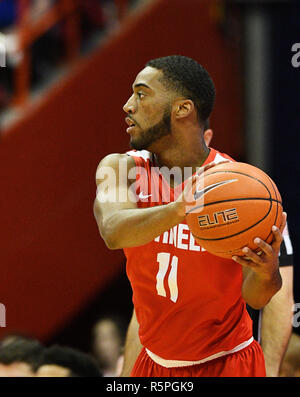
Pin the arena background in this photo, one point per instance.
(62, 112)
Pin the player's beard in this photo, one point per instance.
(152, 134)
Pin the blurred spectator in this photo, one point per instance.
(108, 338)
(20, 356)
(61, 361)
(290, 366)
(27, 357)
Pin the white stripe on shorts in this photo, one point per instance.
(180, 363)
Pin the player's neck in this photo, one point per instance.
(183, 156)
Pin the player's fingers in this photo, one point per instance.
(245, 262)
(188, 189)
(265, 247)
(277, 232)
(204, 168)
(283, 223)
(210, 165)
(277, 238)
(197, 179)
(253, 256)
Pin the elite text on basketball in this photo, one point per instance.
(218, 218)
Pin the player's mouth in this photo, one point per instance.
(132, 124)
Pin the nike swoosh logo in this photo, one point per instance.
(142, 196)
(200, 193)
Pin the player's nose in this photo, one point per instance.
(129, 106)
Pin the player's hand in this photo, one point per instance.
(186, 199)
(267, 263)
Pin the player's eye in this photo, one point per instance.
(140, 95)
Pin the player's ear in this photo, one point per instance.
(183, 108)
(208, 135)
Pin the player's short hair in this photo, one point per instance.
(188, 78)
(206, 125)
(79, 363)
(22, 350)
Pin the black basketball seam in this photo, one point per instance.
(235, 172)
(227, 200)
(278, 202)
(270, 199)
(241, 173)
(240, 232)
(232, 235)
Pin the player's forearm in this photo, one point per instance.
(276, 324)
(135, 227)
(257, 291)
(275, 336)
(132, 351)
(132, 347)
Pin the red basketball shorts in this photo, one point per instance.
(248, 362)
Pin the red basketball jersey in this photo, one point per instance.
(188, 302)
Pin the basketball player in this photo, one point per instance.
(272, 326)
(189, 306)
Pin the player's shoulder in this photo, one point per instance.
(112, 165)
(114, 160)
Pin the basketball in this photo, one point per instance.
(235, 203)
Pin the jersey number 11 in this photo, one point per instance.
(164, 260)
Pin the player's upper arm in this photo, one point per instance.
(114, 188)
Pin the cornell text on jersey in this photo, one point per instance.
(181, 237)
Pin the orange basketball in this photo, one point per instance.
(236, 202)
